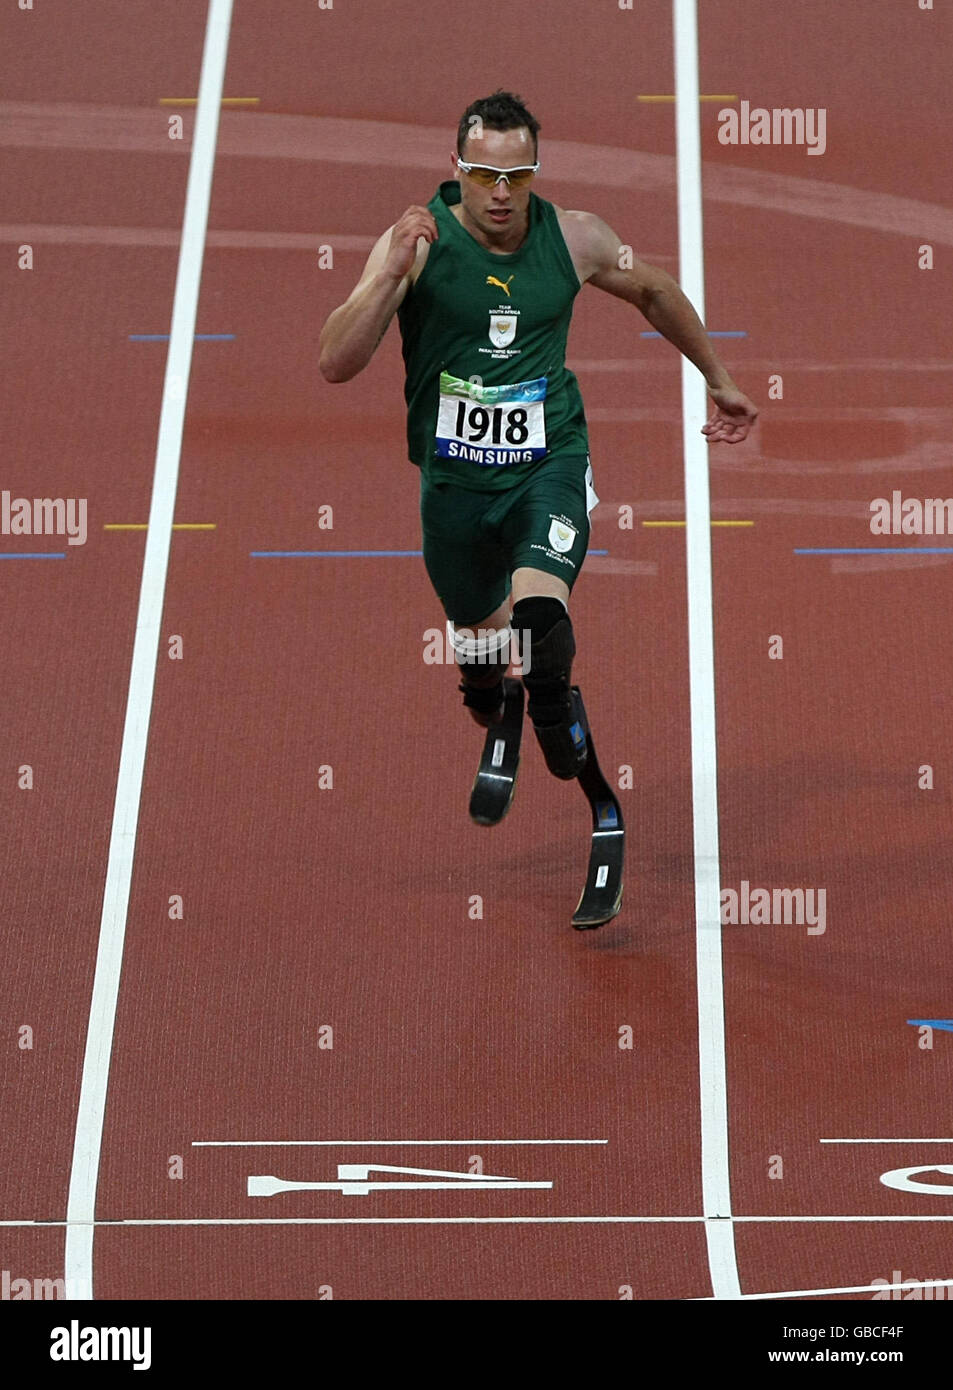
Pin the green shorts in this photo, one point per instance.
(473, 541)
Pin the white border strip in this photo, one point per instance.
(84, 1174)
(373, 1143)
(716, 1194)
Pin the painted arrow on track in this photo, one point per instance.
(353, 1180)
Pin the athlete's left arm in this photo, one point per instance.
(602, 260)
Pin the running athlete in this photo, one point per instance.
(483, 281)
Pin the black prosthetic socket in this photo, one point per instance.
(544, 624)
(484, 699)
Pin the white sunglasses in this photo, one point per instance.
(488, 177)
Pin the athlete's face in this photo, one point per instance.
(498, 214)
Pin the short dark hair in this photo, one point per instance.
(501, 111)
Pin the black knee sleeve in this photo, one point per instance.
(545, 634)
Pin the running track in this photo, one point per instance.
(349, 907)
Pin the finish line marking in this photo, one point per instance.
(87, 1143)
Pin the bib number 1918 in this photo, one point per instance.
(496, 424)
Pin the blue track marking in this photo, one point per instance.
(880, 550)
(32, 555)
(712, 333)
(946, 1024)
(349, 554)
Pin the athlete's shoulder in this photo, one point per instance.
(587, 231)
(591, 243)
(423, 254)
(441, 209)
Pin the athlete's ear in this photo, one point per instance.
(453, 161)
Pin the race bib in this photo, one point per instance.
(493, 426)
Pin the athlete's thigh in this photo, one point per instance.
(547, 527)
(533, 583)
(467, 567)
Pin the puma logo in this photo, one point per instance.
(492, 280)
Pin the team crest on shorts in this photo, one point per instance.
(502, 329)
(561, 536)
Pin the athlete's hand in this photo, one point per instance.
(415, 223)
(732, 417)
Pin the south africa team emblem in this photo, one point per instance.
(502, 329)
(561, 536)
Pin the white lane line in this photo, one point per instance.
(381, 1221)
(84, 1174)
(885, 1141)
(474, 1220)
(716, 1191)
(806, 1219)
(852, 1288)
(373, 1143)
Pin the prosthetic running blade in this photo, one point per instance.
(601, 898)
(492, 793)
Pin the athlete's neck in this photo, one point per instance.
(502, 243)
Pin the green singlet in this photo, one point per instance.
(484, 342)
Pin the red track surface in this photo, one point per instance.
(348, 907)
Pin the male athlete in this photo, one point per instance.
(483, 281)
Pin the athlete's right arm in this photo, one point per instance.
(352, 332)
